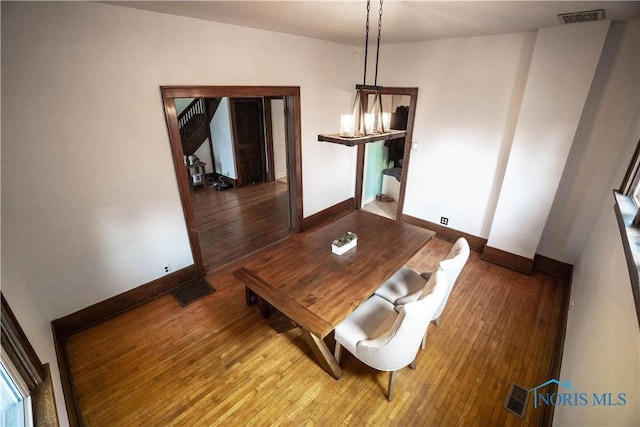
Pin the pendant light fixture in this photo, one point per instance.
(366, 125)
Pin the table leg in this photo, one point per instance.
(322, 354)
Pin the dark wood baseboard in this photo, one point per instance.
(73, 323)
(329, 213)
(445, 233)
(552, 267)
(68, 391)
(506, 259)
(558, 348)
(101, 311)
(518, 263)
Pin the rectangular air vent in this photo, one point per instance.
(192, 292)
(589, 15)
(516, 401)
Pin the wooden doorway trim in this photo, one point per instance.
(412, 93)
(293, 134)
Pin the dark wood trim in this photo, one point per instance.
(291, 95)
(558, 348)
(626, 210)
(73, 323)
(507, 259)
(19, 349)
(445, 233)
(184, 186)
(360, 154)
(68, 391)
(268, 138)
(111, 307)
(541, 263)
(552, 267)
(330, 213)
(413, 102)
(293, 136)
(36, 375)
(631, 173)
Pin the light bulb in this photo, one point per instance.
(346, 125)
(369, 123)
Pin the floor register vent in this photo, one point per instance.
(516, 401)
(192, 292)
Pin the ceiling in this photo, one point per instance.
(402, 21)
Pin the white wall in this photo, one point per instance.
(609, 120)
(562, 68)
(602, 346)
(469, 95)
(90, 205)
(223, 152)
(279, 142)
(31, 316)
(100, 182)
(204, 154)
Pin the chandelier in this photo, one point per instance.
(366, 125)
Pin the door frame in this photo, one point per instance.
(291, 95)
(412, 93)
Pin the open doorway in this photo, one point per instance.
(226, 224)
(383, 163)
(382, 166)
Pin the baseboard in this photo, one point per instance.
(552, 267)
(101, 311)
(68, 391)
(445, 233)
(326, 214)
(508, 260)
(558, 350)
(73, 323)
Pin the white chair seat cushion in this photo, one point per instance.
(372, 318)
(406, 283)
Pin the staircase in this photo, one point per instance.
(194, 123)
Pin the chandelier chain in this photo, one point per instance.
(366, 43)
(375, 82)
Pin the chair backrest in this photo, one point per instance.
(452, 266)
(398, 347)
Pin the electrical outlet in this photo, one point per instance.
(167, 268)
(444, 221)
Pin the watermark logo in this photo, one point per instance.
(567, 395)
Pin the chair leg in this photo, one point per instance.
(424, 341)
(438, 321)
(336, 352)
(413, 364)
(392, 381)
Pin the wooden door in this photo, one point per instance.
(249, 142)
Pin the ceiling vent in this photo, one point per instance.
(589, 15)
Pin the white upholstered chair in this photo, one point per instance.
(407, 284)
(387, 339)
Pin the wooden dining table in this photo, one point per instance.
(317, 289)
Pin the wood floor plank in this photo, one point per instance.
(218, 362)
(238, 221)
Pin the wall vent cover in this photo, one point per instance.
(588, 15)
(192, 292)
(516, 401)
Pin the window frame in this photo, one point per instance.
(20, 385)
(35, 375)
(627, 209)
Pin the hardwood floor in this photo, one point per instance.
(217, 362)
(235, 222)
